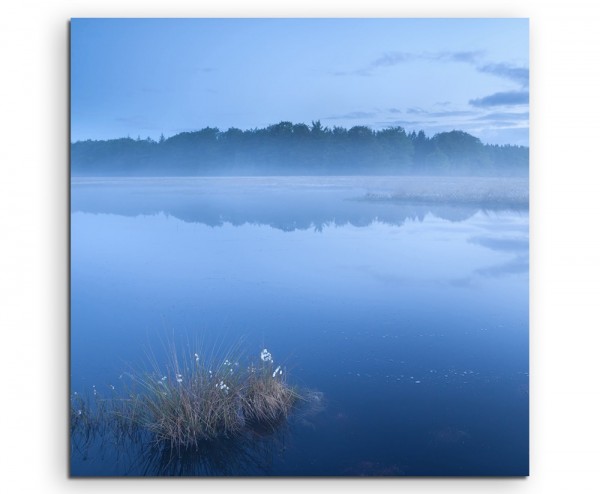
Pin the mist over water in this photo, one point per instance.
(409, 317)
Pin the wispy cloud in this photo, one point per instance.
(391, 123)
(507, 98)
(459, 56)
(392, 58)
(397, 57)
(520, 75)
(516, 74)
(352, 115)
(416, 111)
(452, 113)
(504, 116)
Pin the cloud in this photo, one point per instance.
(397, 57)
(520, 75)
(394, 110)
(504, 116)
(437, 114)
(352, 115)
(452, 113)
(507, 98)
(392, 58)
(458, 56)
(416, 111)
(402, 122)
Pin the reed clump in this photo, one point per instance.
(194, 401)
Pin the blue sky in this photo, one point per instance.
(145, 77)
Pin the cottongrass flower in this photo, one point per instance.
(278, 370)
(179, 378)
(222, 386)
(197, 357)
(265, 356)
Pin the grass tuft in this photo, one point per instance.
(192, 401)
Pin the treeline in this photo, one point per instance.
(299, 149)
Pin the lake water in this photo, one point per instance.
(409, 318)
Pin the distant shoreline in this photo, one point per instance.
(480, 191)
(294, 149)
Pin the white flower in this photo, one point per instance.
(79, 412)
(265, 356)
(179, 378)
(164, 378)
(196, 356)
(277, 370)
(111, 386)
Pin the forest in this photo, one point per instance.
(299, 149)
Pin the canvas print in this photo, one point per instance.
(299, 247)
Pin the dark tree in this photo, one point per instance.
(286, 148)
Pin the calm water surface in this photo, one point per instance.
(410, 319)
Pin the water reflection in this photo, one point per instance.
(517, 246)
(139, 455)
(293, 204)
(410, 317)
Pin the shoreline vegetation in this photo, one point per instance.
(299, 149)
(483, 192)
(189, 404)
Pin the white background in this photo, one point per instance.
(565, 252)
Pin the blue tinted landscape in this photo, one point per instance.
(407, 323)
(299, 247)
